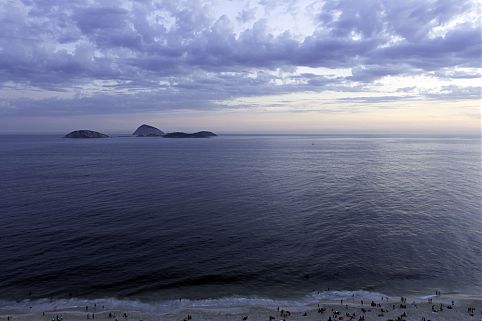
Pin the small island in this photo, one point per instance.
(148, 131)
(84, 133)
(201, 134)
(141, 131)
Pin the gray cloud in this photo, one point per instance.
(455, 93)
(183, 55)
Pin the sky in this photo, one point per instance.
(247, 66)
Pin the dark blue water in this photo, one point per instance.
(273, 216)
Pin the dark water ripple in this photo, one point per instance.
(239, 215)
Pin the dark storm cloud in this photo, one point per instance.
(57, 45)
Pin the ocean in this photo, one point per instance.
(238, 217)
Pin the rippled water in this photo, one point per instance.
(272, 216)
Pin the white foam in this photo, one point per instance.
(162, 306)
(338, 295)
(40, 305)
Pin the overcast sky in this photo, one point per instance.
(291, 66)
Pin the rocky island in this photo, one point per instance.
(201, 134)
(148, 131)
(84, 133)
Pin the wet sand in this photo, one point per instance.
(440, 309)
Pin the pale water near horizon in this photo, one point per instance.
(238, 216)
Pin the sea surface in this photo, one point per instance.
(241, 217)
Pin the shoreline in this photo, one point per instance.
(444, 307)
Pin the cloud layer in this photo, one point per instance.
(88, 57)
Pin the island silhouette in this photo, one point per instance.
(142, 131)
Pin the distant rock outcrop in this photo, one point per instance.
(202, 134)
(146, 131)
(84, 133)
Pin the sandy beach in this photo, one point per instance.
(435, 308)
